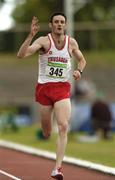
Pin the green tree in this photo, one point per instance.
(1, 2)
(40, 8)
(97, 10)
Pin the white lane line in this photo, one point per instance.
(9, 175)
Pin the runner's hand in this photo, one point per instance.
(34, 26)
(76, 75)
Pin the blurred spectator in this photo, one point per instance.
(80, 116)
(84, 88)
(7, 121)
(101, 118)
(96, 117)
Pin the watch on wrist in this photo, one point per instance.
(80, 71)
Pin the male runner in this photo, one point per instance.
(53, 87)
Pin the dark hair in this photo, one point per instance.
(57, 14)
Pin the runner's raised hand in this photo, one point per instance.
(34, 26)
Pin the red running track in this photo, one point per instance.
(30, 167)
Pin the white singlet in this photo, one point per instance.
(55, 64)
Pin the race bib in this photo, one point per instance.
(56, 70)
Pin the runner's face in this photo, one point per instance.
(58, 25)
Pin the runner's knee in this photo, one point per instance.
(63, 127)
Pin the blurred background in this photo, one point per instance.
(92, 24)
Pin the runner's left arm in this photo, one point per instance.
(78, 56)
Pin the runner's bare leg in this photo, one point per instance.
(45, 116)
(62, 112)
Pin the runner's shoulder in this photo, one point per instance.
(43, 39)
(73, 42)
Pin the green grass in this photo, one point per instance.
(101, 58)
(10, 59)
(102, 152)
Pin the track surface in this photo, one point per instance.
(29, 167)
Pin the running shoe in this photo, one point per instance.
(57, 174)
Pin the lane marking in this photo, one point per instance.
(9, 175)
(49, 155)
